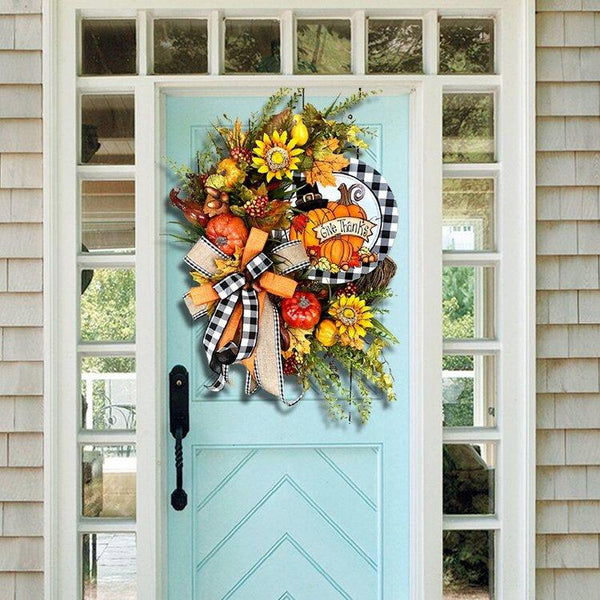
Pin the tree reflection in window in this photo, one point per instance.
(395, 46)
(252, 46)
(324, 46)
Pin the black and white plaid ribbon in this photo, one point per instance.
(231, 290)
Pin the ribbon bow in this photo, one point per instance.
(244, 326)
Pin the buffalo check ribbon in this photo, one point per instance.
(244, 326)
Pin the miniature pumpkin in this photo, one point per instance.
(228, 169)
(228, 232)
(327, 333)
(302, 310)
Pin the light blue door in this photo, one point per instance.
(283, 503)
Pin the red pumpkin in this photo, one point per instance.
(228, 232)
(302, 310)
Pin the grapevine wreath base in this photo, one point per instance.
(289, 241)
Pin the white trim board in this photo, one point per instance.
(516, 260)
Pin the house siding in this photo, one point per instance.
(568, 299)
(21, 344)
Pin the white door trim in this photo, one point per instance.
(60, 273)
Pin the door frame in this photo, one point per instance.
(60, 269)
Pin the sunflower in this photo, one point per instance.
(275, 156)
(352, 317)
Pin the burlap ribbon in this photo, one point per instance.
(244, 327)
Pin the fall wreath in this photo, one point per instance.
(289, 236)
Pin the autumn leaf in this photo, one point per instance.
(323, 169)
(298, 342)
(224, 267)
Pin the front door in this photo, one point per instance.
(284, 503)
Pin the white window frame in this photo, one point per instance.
(515, 433)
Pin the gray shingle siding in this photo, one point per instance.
(568, 302)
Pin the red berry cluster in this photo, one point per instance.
(350, 289)
(290, 365)
(257, 207)
(241, 154)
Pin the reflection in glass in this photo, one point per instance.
(108, 305)
(468, 302)
(108, 47)
(468, 214)
(466, 45)
(252, 46)
(469, 565)
(107, 129)
(109, 566)
(323, 46)
(469, 480)
(468, 126)
(469, 390)
(395, 46)
(108, 392)
(108, 216)
(180, 46)
(108, 481)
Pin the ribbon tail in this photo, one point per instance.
(268, 368)
(213, 334)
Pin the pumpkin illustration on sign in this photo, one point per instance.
(338, 230)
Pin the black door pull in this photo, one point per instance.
(179, 424)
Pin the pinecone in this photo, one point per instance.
(350, 289)
(241, 155)
(257, 207)
(290, 365)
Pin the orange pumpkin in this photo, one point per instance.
(304, 229)
(338, 250)
(346, 207)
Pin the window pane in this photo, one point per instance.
(395, 46)
(108, 305)
(108, 216)
(108, 481)
(469, 479)
(108, 46)
(469, 390)
(180, 46)
(468, 302)
(107, 129)
(109, 566)
(469, 565)
(469, 128)
(466, 45)
(108, 392)
(323, 46)
(252, 46)
(468, 214)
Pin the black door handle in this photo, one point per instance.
(179, 424)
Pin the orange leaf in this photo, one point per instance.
(323, 169)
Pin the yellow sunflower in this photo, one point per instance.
(275, 156)
(352, 317)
